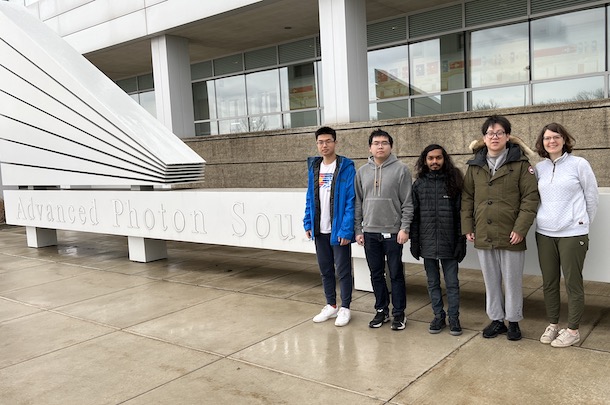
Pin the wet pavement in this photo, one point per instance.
(81, 324)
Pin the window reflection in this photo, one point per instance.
(569, 44)
(231, 97)
(499, 56)
(388, 72)
(389, 110)
(589, 88)
(440, 104)
(203, 100)
(263, 90)
(437, 64)
(147, 100)
(298, 87)
(491, 99)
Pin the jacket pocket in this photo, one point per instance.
(380, 212)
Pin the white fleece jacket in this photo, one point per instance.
(568, 196)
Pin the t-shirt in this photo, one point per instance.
(325, 181)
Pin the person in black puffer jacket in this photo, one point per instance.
(436, 231)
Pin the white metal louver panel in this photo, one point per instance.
(63, 119)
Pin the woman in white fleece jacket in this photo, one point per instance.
(568, 203)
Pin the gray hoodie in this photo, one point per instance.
(383, 197)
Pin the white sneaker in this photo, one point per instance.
(565, 339)
(343, 317)
(326, 313)
(550, 333)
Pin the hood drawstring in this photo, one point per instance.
(378, 180)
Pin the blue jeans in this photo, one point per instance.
(377, 249)
(333, 258)
(450, 272)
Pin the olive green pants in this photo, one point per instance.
(567, 255)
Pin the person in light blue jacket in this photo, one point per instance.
(329, 221)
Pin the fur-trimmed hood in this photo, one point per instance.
(479, 144)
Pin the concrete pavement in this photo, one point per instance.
(81, 324)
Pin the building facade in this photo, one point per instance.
(245, 83)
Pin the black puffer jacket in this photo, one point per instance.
(435, 230)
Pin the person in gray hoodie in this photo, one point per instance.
(384, 211)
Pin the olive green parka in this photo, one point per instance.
(494, 206)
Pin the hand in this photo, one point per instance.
(360, 239)
(415, 250)
(343, 241)
(460, 249)
(402, 237)
(308, 234)
(470, 237)
(515, 238)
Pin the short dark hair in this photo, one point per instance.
(496, 119)
(326, 131)
(380, 132)
(568, 140)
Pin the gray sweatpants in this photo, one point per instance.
(503, 267)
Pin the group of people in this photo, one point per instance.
(493, 206)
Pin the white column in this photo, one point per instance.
(344, 63)
(40, 237)
(173, 91)
(146, 250)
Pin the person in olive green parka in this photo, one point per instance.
(499, 204)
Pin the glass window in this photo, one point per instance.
(146, 82)
(231, 98)
(301, 119)
(491, 99)
(437, 64)
(389, 110)
(298, 83)
(440, 104)
(265, 122)
(128, 85)
(388, 72)
(203, 128)
(203, 100)
(147, 100)
(568, 44)
(263, 89)
(233, 126)
(588, 88)
(499, 56)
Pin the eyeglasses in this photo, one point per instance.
(327, 142)
(383, 143)
(555, 138)
(492, 135)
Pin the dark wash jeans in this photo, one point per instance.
(377, 249)
(450, 273)
(333, 258)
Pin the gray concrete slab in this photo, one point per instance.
(79, 323)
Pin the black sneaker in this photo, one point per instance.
(437, 325)
(399, 322)
(455, 329)
(494, 329)
(514, 332)
(380, 318)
